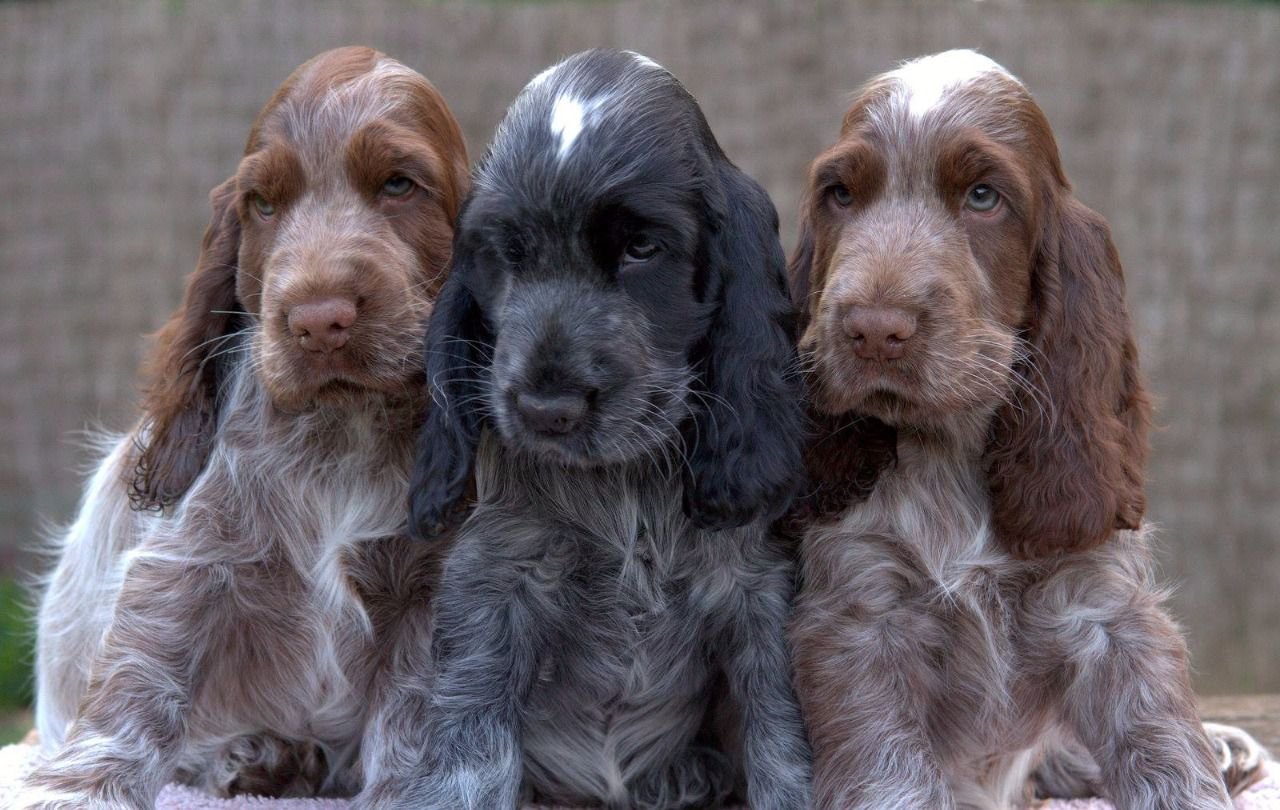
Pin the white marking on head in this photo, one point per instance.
(928, 79)
(569, 117)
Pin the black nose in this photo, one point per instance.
(556, 414)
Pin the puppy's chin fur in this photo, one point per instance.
(893, 407)
(932, 398)
(342, 394)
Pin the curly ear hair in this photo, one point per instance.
(1067, 473)
(182, 378)
(458, 352)
(744, 456)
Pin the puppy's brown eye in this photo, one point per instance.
(397, 186)
(640, 249)
(263, 206)
(841, 194)
(982, 198)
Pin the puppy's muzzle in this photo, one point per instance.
(552, 415)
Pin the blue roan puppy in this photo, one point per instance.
(613, 356)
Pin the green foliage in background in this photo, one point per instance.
(15, 646)
(16, 655)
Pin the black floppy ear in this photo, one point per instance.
(745, 444)
(458, 352)
(182, 377)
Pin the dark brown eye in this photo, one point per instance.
(513, 250)
(841, 194)
(264, 208)
(397, 186)
(982, 198)
(640, 249)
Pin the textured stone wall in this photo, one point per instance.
(116, 118)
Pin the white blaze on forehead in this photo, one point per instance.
(569, 116)
(927, 79)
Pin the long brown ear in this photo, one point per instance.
(1066, 459)
(800, 273)
(180, 378)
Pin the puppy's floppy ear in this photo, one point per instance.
(458, 348)
(745, 443)
(800, 272)
(183, 375)
(1067, 471)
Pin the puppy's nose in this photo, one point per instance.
(878, 333)
(322, 324)
(556, 415)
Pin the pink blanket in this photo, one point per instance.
(15, 760)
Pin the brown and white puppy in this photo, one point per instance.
(221, 607)
(977, 582)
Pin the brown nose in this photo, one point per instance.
(322, 324)
(878, 333)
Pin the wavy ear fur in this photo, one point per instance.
(457, 351)
(1066, 475)
(181, 383)
(744, 456)
(800, 274)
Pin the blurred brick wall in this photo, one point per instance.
(116, 118)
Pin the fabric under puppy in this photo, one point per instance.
(613, 353)
(977, 583)
(220, 607)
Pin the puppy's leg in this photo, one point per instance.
(125, 740)
(1128, 694)
(699, 779)
(395, 737)
(757, 664)
(859, 652)
(267, 765)
(493, 616)
(1071, 773)
(1241, 759)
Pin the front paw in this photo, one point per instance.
(53, 786)
(1241, 759)
(459, 789)
(387, 794)
(701, 778)
(33, 796)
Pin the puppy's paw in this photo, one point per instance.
(62, 784)
(1241, 759)
(267, 765)
(387, 794)
(35, 796)
(701, 778)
